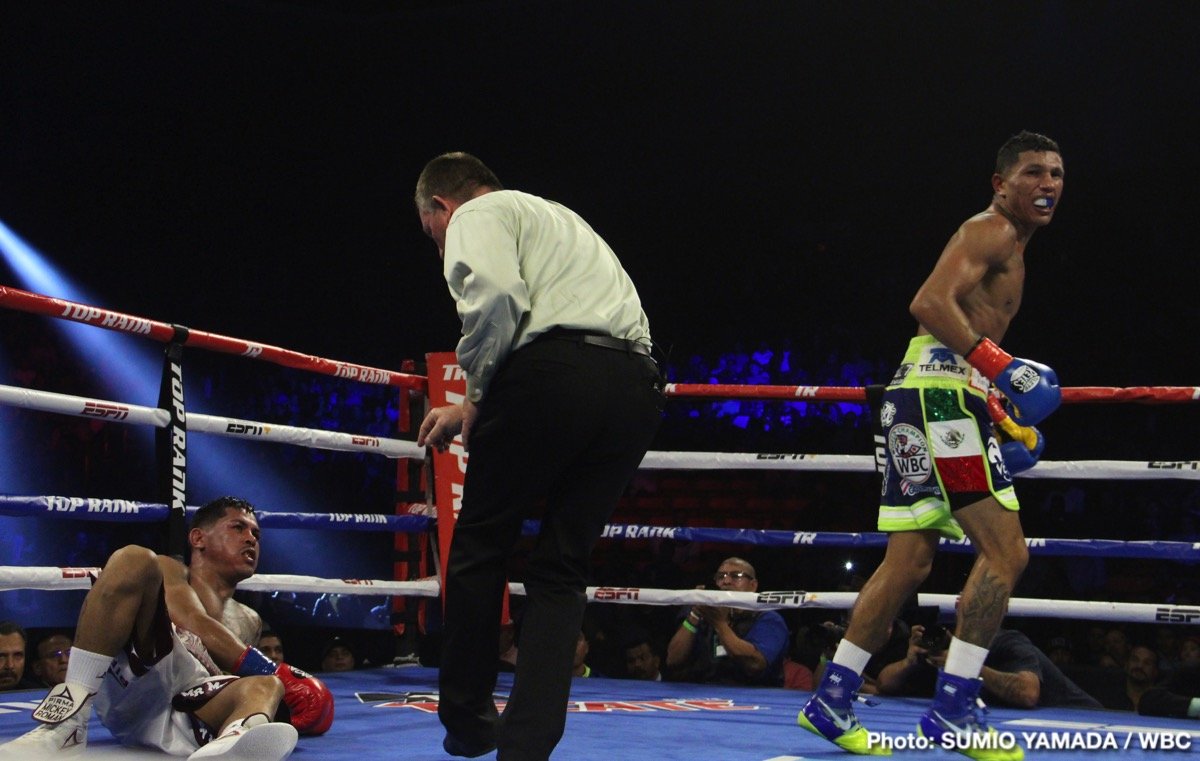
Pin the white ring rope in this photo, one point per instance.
(51, 578)
(79, 406)
(55, 579)
(851, 463)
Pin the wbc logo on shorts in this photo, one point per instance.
(909, 453)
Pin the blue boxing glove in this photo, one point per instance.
(1021, 445)
(1017, 458)
(1031, 387)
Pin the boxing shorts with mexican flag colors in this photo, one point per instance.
(941, 452)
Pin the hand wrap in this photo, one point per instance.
(307, 703)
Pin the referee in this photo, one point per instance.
(562, 402)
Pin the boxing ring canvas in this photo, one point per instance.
(391, 713)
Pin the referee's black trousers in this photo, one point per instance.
(569, 422)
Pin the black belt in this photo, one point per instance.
(608, 342)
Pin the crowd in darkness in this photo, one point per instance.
(71, 456)
(773, 426)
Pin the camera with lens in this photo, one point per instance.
(936, 639)
(817, 640)
(833, 633)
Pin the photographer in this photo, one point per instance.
(720, 644)
(904, 665)
(1178, 695)
(1016, 673)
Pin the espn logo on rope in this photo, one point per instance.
(1174, 615)
(613, 594)
(247, 429)
(80, 573)
(782, 598)
(105, 411)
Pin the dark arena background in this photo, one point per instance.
(778, 179)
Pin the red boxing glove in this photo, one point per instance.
(308, 700)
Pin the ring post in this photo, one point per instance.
(171, 446)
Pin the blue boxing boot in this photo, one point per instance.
(957, 721)
(830, 713)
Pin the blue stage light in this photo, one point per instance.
(127, 369)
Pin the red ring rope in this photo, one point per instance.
(34, 303)
(160, 331)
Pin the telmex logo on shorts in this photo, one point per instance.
(910, 453)
(942, 362)
(1024, 379)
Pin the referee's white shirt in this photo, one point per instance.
(518, 265)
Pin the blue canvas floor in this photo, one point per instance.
(391, 714)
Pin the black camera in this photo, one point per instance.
(936, 639)
(833, 632)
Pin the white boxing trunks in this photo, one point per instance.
(150, 700)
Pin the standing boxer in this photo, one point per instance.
(945, 474)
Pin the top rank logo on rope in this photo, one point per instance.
(106, 319)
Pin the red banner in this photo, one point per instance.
(448, 385)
